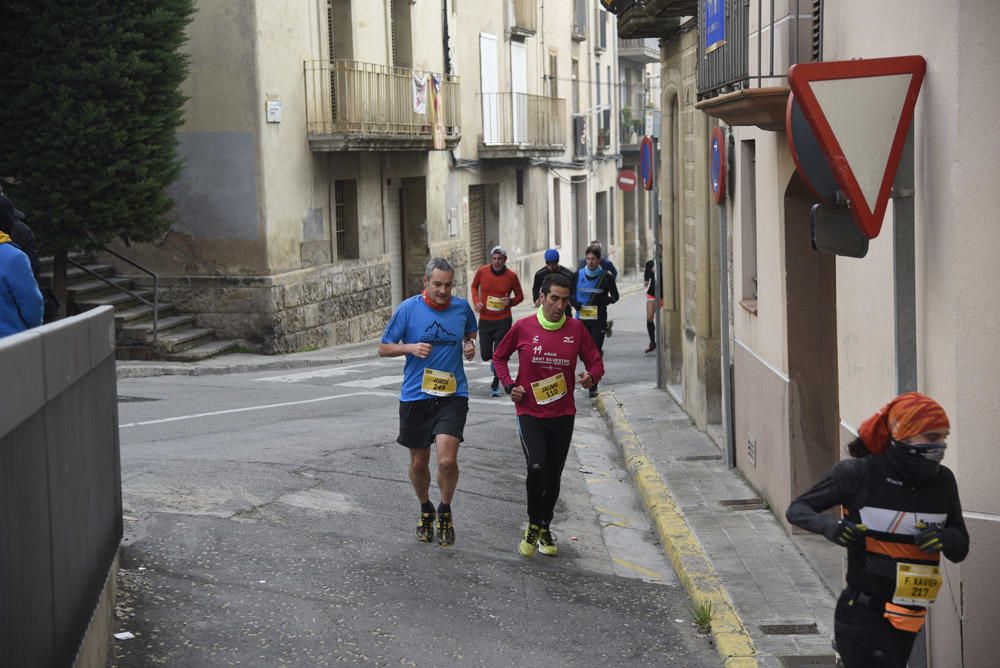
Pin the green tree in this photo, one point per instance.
(92, 105)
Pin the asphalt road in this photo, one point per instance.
(269, 522)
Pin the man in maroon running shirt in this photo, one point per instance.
(548, 345)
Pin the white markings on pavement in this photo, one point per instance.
(329, 372)
(256, 408)
(377, 381)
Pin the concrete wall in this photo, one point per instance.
(689, 229)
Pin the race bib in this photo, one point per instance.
(588, 313)
(495, 304)
(549, 389)
(916, 584)
(439, 383)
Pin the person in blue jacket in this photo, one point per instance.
(21, 303)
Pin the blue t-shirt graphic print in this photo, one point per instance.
(416, 322)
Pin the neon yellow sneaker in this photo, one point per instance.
(446, 530)
(528, 543)
(425, 528)
(547, 543)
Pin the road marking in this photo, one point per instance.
(648, 572)
(377, 381)
(257, 408)
(329, 372)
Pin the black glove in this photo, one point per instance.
(938, 539)
(844, 532)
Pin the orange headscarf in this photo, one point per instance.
(907, 415)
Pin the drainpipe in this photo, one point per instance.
(727, 376)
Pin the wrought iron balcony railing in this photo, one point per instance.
(522, 125)
(356, 106)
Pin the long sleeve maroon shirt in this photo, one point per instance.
(543, 355)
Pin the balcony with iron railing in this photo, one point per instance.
(525, 22)
(357, 106)
(520, 125)
(644, 50)
(653, 18)
(743, 78)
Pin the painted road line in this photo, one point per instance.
(329, 372)
(372, 383)
(696, 573)
(262, 407)
(641, 570)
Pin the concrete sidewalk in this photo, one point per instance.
(770, 607)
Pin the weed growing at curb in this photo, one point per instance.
(701, 614)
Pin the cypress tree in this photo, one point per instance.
(92, 105)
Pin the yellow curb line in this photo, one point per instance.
(695, 571)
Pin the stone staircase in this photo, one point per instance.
(179, 337)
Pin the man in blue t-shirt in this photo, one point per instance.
(435, 331)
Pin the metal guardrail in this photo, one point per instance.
(155, 304)
(523, 119)
(353, 97)
(60, 472)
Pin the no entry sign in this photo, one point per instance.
(627, 180)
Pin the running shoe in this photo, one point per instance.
(446, 531)
(547, 543)
(607, 329)
(494, 391)
(425, 528)
(593, 392)
(530, 540)
(650, 348)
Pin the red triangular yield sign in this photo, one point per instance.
(860, 112)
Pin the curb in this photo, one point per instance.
(693, 568)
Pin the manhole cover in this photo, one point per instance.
(744, 504)
(807, 661)
(126, 400)
(788, 629)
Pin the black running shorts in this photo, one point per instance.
(420, 421)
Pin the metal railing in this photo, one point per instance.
(525, 12)
(353, 97)
(780, 43)
(523, 119)
(155, 304)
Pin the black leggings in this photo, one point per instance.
(545, 442)
(865, 639)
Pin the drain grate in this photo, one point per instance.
(125, 400)
(700, 458)
(745, 504)
(807, 661)
(788, 629)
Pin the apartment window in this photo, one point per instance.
(520, 186)
(575, 76)
(556, 212)
(580, 20)
(597, 83)
(345, 216)
(602, 29)
(607, 80)
(553, 75)
(402, 40)
(748, 223)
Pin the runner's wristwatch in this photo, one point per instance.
(508, 388)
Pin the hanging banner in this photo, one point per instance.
(715, 24)
(437, 108)
(419, 93)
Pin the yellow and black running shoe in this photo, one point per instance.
(425, 528)
(445, 530)
(547, 543)
(529, 542)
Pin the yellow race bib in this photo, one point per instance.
(439, 383)
(916, 584)
(549, 389)
(495, 304)
(588, 313)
